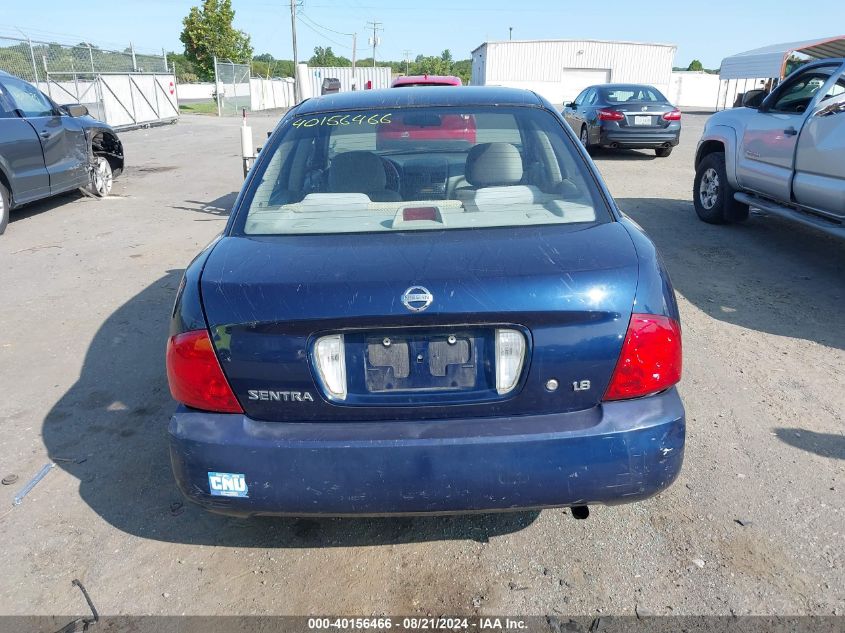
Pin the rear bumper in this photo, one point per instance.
(635, 139)
(616, 453)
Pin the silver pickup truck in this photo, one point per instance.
(783, 153)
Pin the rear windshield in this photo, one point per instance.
(417, 169)
(632, 94)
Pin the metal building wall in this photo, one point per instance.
(541, 65)
(380, 76)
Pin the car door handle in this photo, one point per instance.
(790, 131)
(45, 135)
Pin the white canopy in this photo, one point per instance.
(770, 61)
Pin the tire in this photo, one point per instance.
(663, 152)
(584, 137)
(101, 177)
(5, 204)
(713, 195)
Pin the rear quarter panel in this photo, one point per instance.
(655, 294)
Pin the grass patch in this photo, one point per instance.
(203, 107)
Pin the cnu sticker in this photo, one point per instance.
(227, 485)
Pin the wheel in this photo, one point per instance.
(713, 195)
(101, 178)
(584, 137)
(663, 152)
(5, 205)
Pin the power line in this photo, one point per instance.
(325, 28)
(309, 22)
(323, 35)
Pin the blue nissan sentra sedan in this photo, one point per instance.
(453, 324)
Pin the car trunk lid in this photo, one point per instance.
(569, 291)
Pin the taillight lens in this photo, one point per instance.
(195, 376)
(674, 115)
(650, 360)
(510, 354)
(610, 115)
(330, 357)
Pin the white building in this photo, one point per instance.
(560, 69)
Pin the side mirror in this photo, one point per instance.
(753, 98)
(75, 109)
(571, 104)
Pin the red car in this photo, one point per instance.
(448, 128)
(426, 80)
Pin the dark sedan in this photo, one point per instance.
(47, 149)
(427, 329)
(628, 116)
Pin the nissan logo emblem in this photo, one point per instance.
(417, 298)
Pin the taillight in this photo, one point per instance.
(610, 115)
(650, 360)
(195, 376)
(330, 355)
(510, 354)
(674, 115)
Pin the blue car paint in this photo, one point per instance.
(615, 453)
(265, 299)
(571, 289)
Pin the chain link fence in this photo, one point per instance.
(123, 88)
(35, 61)
(232, 87)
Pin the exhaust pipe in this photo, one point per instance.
(580, 512)
(614, 146)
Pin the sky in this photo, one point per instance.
(708, 31)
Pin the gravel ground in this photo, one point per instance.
(755, 523)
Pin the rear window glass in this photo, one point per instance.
(632, 94)
(419, 169)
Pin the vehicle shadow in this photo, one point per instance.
(765, 274)
(221, 206)
(41, 206)
(109, 431)
(602, 154)
(824, 444)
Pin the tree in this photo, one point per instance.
(463, 69)
(325, 57)
(431, 66)
(209, 32)
(695, 65)
(266, 66)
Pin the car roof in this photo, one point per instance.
(420, 96)
(624, 85)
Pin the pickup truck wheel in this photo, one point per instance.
(713, 195)
(663, 152)
(4, 208)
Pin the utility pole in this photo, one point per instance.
(376, 27)
(407, 54)
(296, 87)
(354, 48)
